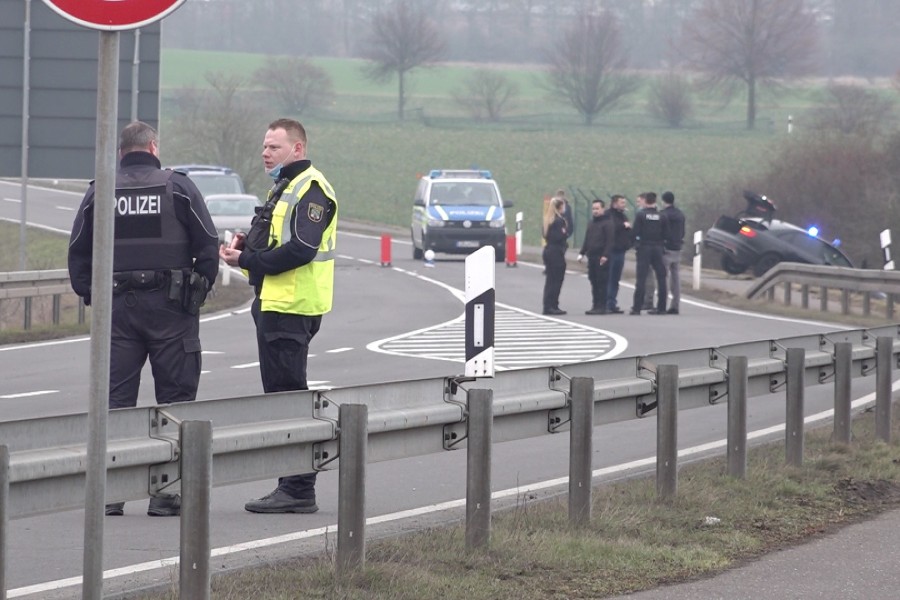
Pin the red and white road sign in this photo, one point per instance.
(113, 15)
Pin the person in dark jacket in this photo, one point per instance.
(650, 231)
(556, 231)
(618, 241)
(165, 250)
(592, 249)
(673, 245)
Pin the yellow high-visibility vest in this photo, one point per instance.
(308, 289)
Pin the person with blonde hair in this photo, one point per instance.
(555, 232)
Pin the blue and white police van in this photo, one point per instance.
(458, 212)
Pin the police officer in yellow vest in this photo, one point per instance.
(289, 257)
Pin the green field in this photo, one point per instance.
(373, 160)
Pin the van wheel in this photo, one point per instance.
(765, 262)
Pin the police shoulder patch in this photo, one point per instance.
(315, 212)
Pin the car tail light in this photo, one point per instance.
(747, 231)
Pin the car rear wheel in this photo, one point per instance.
(765, 262)
(731, 266)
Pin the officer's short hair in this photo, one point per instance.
(599, 201)
(293, 128)
(650, 197)
(668, 197)
(137, 136)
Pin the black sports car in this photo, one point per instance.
(753, 239)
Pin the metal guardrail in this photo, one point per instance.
(262, 436)
(867, 282)
(27, 285)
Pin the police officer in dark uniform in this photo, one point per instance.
(165, 259)
(556, 232)
(593, 247)
(650, 231)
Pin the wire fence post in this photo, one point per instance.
(478, 468)
(843, 356)
(351, 544)
(667, 431)
(196, 487)
(793, 430)
(884, 348)
(737, 416)
(581, 447)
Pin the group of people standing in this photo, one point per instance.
(656, 235)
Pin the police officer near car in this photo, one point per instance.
(289, 255)
(164, 263)
(673, 245)
(650, 230)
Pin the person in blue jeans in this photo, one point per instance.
(618, 241)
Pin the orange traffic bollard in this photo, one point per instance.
(511, 258)
(385, 250)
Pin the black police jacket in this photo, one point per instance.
(675, 227)
(650, 227)
(161, 223)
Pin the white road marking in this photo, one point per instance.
(424, 510)
(13, 200)
(246, 365)
(28, 394)
(338, 350)
(66, 208)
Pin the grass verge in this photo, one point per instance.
(634, 541)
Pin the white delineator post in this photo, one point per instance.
(480, 299)
(519, 218)
(698, 257)
(886, 250)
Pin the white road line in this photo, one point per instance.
(424, 510)
(66, 208)
(28, 394)
(338, 350)
(246, 365)
(13, 200)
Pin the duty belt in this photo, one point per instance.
(139, 280)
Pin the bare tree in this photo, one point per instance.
(219, 125)
(586, 67)
(403, 37)
(670, 99)
(852, 110)
(738, 43)
(297, 83)
(487, 94)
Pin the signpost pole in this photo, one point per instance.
(26, 112)
(101, 316)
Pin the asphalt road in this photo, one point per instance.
(382, 328)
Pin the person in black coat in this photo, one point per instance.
(556, 232)
(618, 241)
(593, 248)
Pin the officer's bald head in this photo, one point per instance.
(138, 136)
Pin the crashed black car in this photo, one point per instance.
(754, 240)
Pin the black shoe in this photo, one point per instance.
(596, 311)
(280, 501)
(634, 311)
(653, 311)
(116, 509)
(554, 311)
(164, 505)
(672, 311)
(615, 311)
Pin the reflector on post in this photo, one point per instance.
(480, 299)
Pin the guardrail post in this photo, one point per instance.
(351, 544)
(884, 349)
(787, 293)
(823, 299)
(889, 307)
(81, 311)
(581, 447)
(4, 516)
(27, 310)
(804, 295)
(770, 294)
(478, 468)
(867, 304)
(793, 430)
(843, 356)
(666, 431)
(845, 302)
(196, 484)
(56, 302)
(737, 416)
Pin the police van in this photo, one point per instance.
(457, 212)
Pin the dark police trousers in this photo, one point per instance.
(650, 255)
(598, 275)
(283, 341)
(554, 256)
(145, 323)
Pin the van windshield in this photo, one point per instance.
(468, 193)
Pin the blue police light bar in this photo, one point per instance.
(813, 231)
(836, 242)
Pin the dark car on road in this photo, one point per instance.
(754, 240)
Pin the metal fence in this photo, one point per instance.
(865, 284)
(262, 436)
